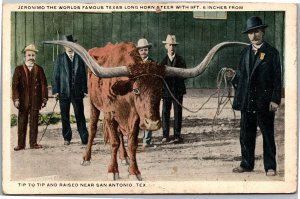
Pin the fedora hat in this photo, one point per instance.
(143, 43)
(68, 38)
(171, 39)
(254, 23)
(30, 47)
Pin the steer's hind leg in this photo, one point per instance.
(113, 135)
(92, 132)
(132, 147)
(122, 152)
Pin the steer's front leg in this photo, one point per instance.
(132, 147)
(114, 140)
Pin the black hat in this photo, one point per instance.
(254, 23)
(68, 38)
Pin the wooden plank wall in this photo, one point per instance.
(196, 36)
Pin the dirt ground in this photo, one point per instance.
(207, 154)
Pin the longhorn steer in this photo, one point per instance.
(128, 92)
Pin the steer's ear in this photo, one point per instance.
(122, 87)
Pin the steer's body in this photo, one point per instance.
(125, 111)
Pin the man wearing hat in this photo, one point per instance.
(69, 84)
(177, 88)
(143, 47)
(29, 94)
(257, 83)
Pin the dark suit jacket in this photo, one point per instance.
(61, 81)
(176, 84)
(21, 84)
(255, 91)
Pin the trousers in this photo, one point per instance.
(167, 104)
(249, 122)
(22, 126)
(79, 115)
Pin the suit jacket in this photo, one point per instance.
(61, 77)
(255, 90)
(150, 60)
(176, 84)
(21, 85)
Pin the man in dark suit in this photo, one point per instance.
(69, 83)
(177, 88)
(143, 47)
(257, 81)
(29, 94)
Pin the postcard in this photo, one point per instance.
(149, 98)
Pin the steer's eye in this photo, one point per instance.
(136, 91)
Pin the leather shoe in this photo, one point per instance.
(178, 140)
(18, 148)
(271, 172)
(36, 146)
(165, 140)
(240, 170)
(67, 142)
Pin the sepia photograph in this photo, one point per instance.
(149, 98)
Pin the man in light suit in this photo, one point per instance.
(69, 84)
(177, 87)
(257, 83)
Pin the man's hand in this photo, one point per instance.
(44, 103)
(17, 104)
(230, 73)
(56, 96)
(273, 107)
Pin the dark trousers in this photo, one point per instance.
(79, 115)
(167, 103)
(22, 126)
(249, 123)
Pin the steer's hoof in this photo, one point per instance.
(135, 177)
(125, 161)
(113, 176)
(85, 163)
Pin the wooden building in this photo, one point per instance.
(197, 33)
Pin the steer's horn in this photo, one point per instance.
(193, 72)
(98, 70)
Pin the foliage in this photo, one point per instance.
(44, 119)
(13, 120)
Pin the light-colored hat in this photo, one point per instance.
(143, 43)
(171, 39)
(30, 47)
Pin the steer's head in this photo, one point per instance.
(144, 85)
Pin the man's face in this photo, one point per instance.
(30, 57)
(68, 50)
(256, 36)
(171, 48)
(144, 52)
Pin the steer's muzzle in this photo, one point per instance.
(152, 125)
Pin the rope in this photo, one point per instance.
(221, 101)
